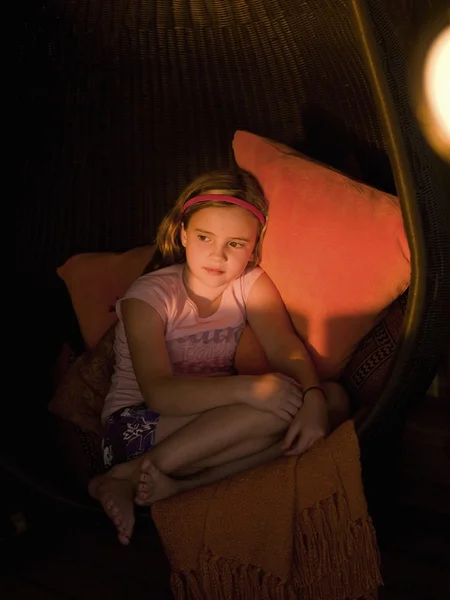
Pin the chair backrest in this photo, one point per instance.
(125, 102)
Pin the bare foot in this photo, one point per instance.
(154, 485)
(116, 497)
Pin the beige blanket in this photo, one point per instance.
(294, 528)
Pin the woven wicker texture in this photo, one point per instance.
(124, 101)
(130, 100)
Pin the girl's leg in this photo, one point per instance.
(228, 433)
(338, 403)
(209, 434)
(126, 433)
(219, 444)
(156, 485)
(246, 448)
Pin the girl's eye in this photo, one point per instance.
(236, 245)
(202, 238)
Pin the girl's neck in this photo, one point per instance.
(198, 292)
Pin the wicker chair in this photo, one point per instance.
(124, 102)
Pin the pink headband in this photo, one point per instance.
(229, 200)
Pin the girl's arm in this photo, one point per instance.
(162, 392)
(270, 322)
(176, 395)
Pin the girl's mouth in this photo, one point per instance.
(213, 271)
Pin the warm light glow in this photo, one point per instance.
(436, 81)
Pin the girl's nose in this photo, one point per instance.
(219, 252)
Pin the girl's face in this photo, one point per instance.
(219, 243)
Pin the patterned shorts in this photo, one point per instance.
(129, 432)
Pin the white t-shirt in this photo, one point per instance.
(197, 346)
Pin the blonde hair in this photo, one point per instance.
(233, 182)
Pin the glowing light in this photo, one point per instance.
(436, 82)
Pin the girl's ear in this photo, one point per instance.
(183, 235)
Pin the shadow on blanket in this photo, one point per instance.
(294, 528)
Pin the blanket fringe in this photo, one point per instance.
(332, 550)
(333, 558)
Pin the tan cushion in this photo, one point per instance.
(81, 393)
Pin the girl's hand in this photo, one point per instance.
(309, 425)
(277, 394)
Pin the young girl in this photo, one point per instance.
(175, 418)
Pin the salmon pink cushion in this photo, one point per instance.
(96, 280)
(335, 248)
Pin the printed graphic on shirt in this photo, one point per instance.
(207, 353)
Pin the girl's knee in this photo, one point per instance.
(268, 424)
(338, 402)
(334, 390)
(168, 425)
